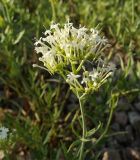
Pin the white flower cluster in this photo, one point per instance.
(66, 49)
(89, 81)
(3, 132)
(61, 46)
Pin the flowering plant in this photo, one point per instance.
(76, 54)
(3, 132)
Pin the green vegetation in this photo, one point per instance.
(42, 110)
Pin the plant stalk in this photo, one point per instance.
(107, 126)
(83, 127)
(53, 10)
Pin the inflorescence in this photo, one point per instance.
(75, 54)
(3, 133)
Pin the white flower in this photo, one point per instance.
(68, 43)
(41, 49)
(81, 32)
(55, 26)
(95, 84)
(71, 77)
(67, 48)
(111, 66)
(3, 132)
(85, 80)
(48, 32)
(94, 75)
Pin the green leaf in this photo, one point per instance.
(94, 130)
(19, 36)
(75, 143)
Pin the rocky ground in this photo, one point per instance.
(124, 144)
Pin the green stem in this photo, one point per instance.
(132, 11)
(53, 10)
(107, 126)
(73, 67)
(83, 127)
(79, 67)
(82, 62)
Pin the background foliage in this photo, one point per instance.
(43, 110)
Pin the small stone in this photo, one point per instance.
(121, 118)
(112, 143)
(134, 119)
(122, 138)
(123, 105)
(125, 155)
(129, 129)
(139, 96)
(111, 155)
(129, 135)
(115, 126)
(133, 153)
(136, 143)
(73, 99)
(137, 106)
